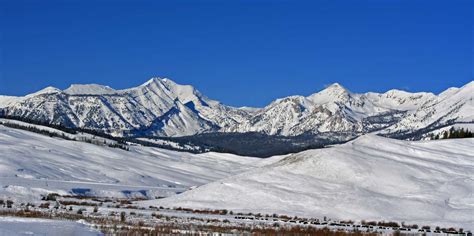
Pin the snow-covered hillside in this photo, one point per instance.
(161, 107)
(455, 105)
(370, 178)
(32, 164)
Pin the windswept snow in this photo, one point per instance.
(33, 164)
(371, 178)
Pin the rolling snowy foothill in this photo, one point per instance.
(370, 178)
(32, 164)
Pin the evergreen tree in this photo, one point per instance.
(456, 133)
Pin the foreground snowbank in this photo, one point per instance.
(371, 178)
(14, 226)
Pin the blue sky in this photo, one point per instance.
(238, 52)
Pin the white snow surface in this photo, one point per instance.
(32, 164)
(47, 90)
(16, 226)
(91, 89)
(371, 178)
(7, 100)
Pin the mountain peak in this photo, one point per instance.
(91, 89)
(184, 93)
(335, 87)
(162, 82)
(332, 93)
(153, 80)
(46, 90)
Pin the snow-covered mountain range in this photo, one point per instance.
(161, 107)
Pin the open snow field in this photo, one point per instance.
(370, 178)
(32, 164)
(15, 226)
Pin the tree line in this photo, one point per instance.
(453, 133)
(119, 142)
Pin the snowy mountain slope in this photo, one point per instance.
(79, 136)
(7, 100)
(455, 105)
(398, 99)
(31, 164)
(178, 121)
(163, 107)
(371, 178)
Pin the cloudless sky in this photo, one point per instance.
(238, 52)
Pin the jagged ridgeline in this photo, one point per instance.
(163, 108)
